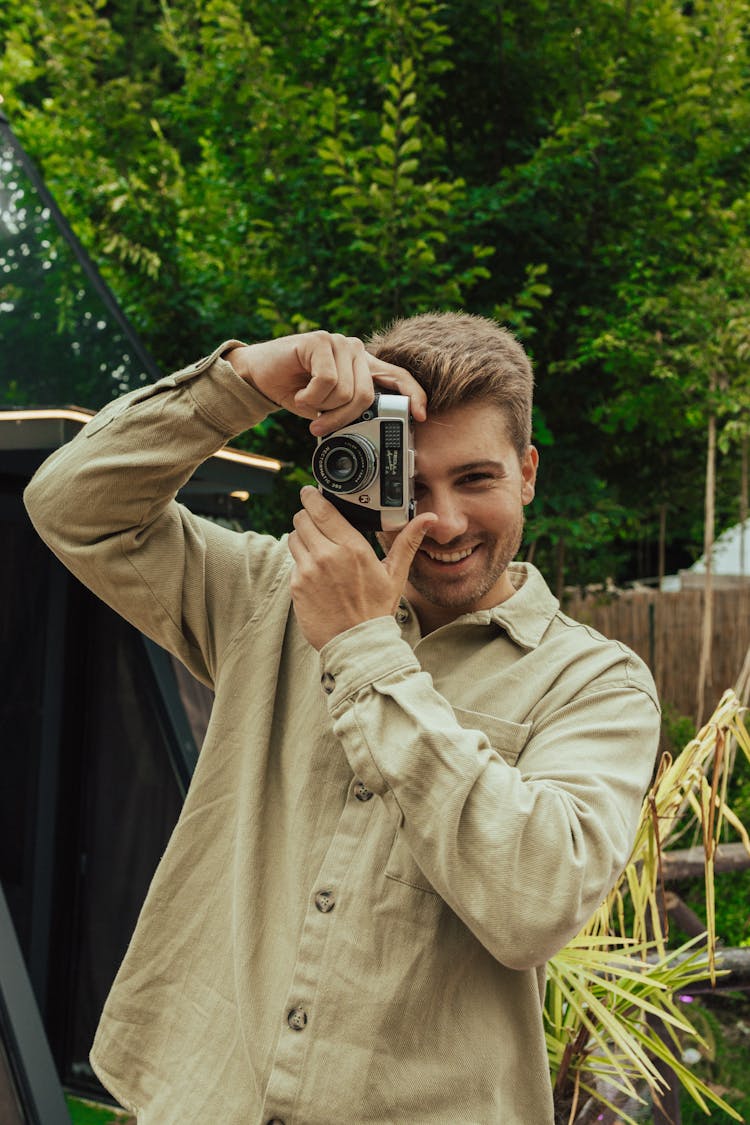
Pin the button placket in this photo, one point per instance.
(317, 952)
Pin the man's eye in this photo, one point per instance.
(475, 478)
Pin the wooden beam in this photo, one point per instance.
(689, 863)
(737, 962)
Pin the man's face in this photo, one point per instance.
(467, 473)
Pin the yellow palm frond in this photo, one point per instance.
(610, 1009)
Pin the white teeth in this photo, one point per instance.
(453, 556)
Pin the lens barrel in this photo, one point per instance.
(345, 463)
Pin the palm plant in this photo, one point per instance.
(613, 1020)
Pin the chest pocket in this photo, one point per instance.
(506, 739)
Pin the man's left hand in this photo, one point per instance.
(338, 580)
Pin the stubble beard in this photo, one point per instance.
(467, 591)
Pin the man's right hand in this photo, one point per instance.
(323, 376)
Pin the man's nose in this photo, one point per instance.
(451, 522)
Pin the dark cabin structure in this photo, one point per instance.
(99, 728)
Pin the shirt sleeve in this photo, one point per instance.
(104, 503)
(522, 854)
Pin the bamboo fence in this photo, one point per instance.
(664, 628)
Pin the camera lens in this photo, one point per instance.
(345, 463)
(341, 465)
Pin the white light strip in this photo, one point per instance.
(256, 459)
(78, 414)
(70, 414)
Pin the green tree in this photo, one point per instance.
(241, 169)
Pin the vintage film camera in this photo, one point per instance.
(366, 469)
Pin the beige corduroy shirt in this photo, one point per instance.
(382, 844)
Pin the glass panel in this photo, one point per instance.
(23, 619)
(59, 342)
(117, 799)
(130, 806)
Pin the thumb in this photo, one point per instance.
(405, 546)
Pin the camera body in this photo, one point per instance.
(366, 469)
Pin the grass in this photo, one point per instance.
(84, 1112)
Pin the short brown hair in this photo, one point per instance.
(459, 358)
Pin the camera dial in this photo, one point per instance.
(345, 463)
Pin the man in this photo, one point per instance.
(419, 780)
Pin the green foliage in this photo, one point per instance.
(676, 730)
(397, 226)
(732, 888)
(724, 1022)
(240, 169)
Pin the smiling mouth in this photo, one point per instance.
(449, 556)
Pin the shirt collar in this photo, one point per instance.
(524, 616)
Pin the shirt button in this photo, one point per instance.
(402, 615)
(275, 1121)
(297, 1019)
(325, 901)
(328, 681)
(361, 792)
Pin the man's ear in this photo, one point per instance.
(529, 467)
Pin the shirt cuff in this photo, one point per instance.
(356, 658)
(233, 404)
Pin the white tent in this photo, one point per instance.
(730, 563)
(731, 553)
